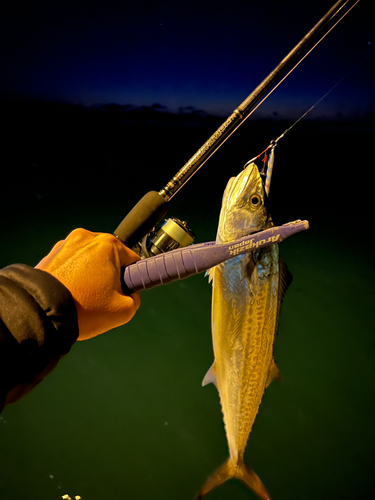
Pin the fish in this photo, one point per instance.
(247, 293)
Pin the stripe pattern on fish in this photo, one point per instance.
(246, 300)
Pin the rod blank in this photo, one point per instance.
(245, 109)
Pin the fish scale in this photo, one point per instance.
(246, 299)
(251, 339)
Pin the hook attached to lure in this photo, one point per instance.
(267, 169)
(268, 173)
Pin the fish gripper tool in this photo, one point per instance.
(194, 259)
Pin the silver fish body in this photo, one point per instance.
(246, 300)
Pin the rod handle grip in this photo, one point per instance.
(141, 219)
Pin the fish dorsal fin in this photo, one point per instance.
(273, 374)
(286, 279)
(210, 273)
(210, 377)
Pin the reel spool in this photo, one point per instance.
(171, 235)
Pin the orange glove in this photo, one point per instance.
(89, 265)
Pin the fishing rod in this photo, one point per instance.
(137, 227)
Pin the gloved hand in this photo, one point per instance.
(89, 265)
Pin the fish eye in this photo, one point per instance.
(255, 201)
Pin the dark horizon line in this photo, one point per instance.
(161, 109)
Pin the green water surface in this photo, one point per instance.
(124, 415)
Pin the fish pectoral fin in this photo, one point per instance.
(286, 279)
(239, 471)
(273, 374)
(210, 377)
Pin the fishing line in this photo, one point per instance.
(324, 96)
(307, 53)
(248, 106)
(291, 70)
(269, 160)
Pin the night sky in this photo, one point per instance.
(206, 54)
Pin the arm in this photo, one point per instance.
(38, 326)
(73, 293)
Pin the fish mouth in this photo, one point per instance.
(243, 211)
(242, 183)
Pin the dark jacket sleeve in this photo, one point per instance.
(38, 326)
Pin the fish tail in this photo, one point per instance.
(241, 471)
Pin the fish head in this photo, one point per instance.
(243, 209)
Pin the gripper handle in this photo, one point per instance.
(181, 263)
